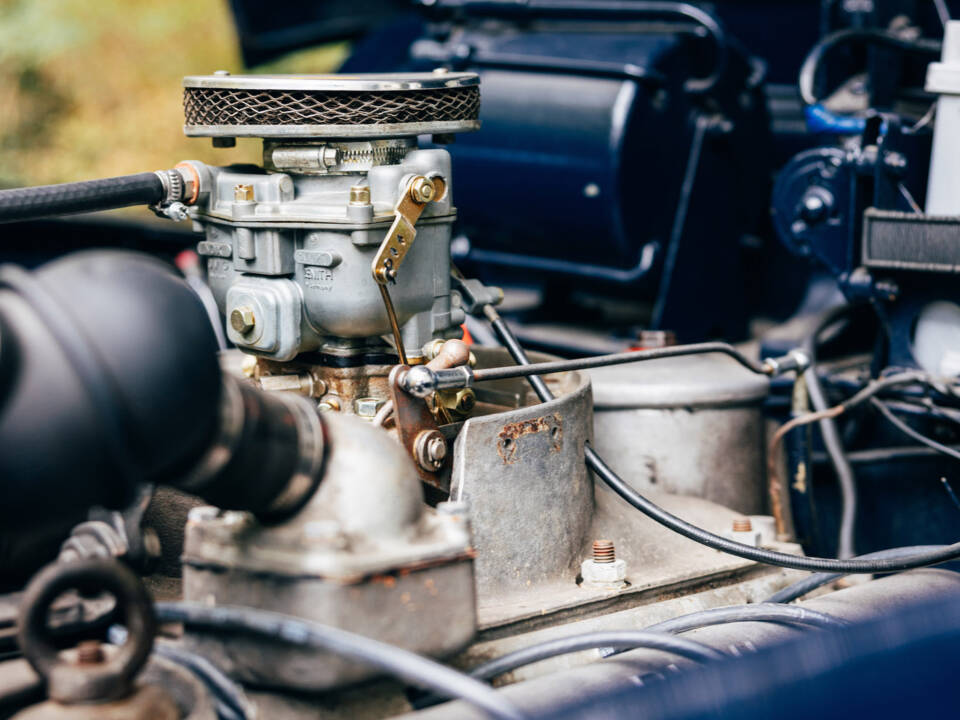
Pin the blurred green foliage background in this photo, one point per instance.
(91, 88)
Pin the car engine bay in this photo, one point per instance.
(560, 359)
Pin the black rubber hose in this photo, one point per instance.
(618, 639)
(705, 537)
(811, 583)
(811, 64)
(406, 665)
(38, 202)
(231, 703)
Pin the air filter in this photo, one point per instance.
(331, 106)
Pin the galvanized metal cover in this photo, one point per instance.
(330, 105)
(695, 381)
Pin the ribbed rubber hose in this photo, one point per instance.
(32, 203)
(415, 669)
(705, 537)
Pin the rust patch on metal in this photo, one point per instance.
(508, 439)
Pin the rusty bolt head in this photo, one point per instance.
(243, 193)
(242, 319)
(422, 190)
(430, 449)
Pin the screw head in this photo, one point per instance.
(242, 319)
(422, 190)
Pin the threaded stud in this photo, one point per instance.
(603, 551)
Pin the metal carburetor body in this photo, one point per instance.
(304, 259)
(290, 246)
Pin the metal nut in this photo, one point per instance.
(422, 190)
(604, 573)
(368, 407)
(243, 193)
(462, 401)
(242, 319)
(360, 195)
(430, 448)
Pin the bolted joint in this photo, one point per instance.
(794, 361)
(420, 381)
(242, 319)
(422, 190)
(430, 449)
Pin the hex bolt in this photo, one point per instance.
(603, 551)
(360, 195)
(604, 569)
(329, 156)
(368, 407)
(243, 193)
(90, 652)
(242, 319)
(422, 190)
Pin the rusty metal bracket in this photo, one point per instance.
(420, 435)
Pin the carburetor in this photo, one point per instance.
(304, 255)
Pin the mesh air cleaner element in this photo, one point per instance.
(345, 106)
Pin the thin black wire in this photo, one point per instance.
(704, 537)
(789, 614)
(396, 661)
(900, 425)
(812, 582)
(831, 435)
(546, 368)
(618, 639)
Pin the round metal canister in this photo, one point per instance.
(687, 425)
